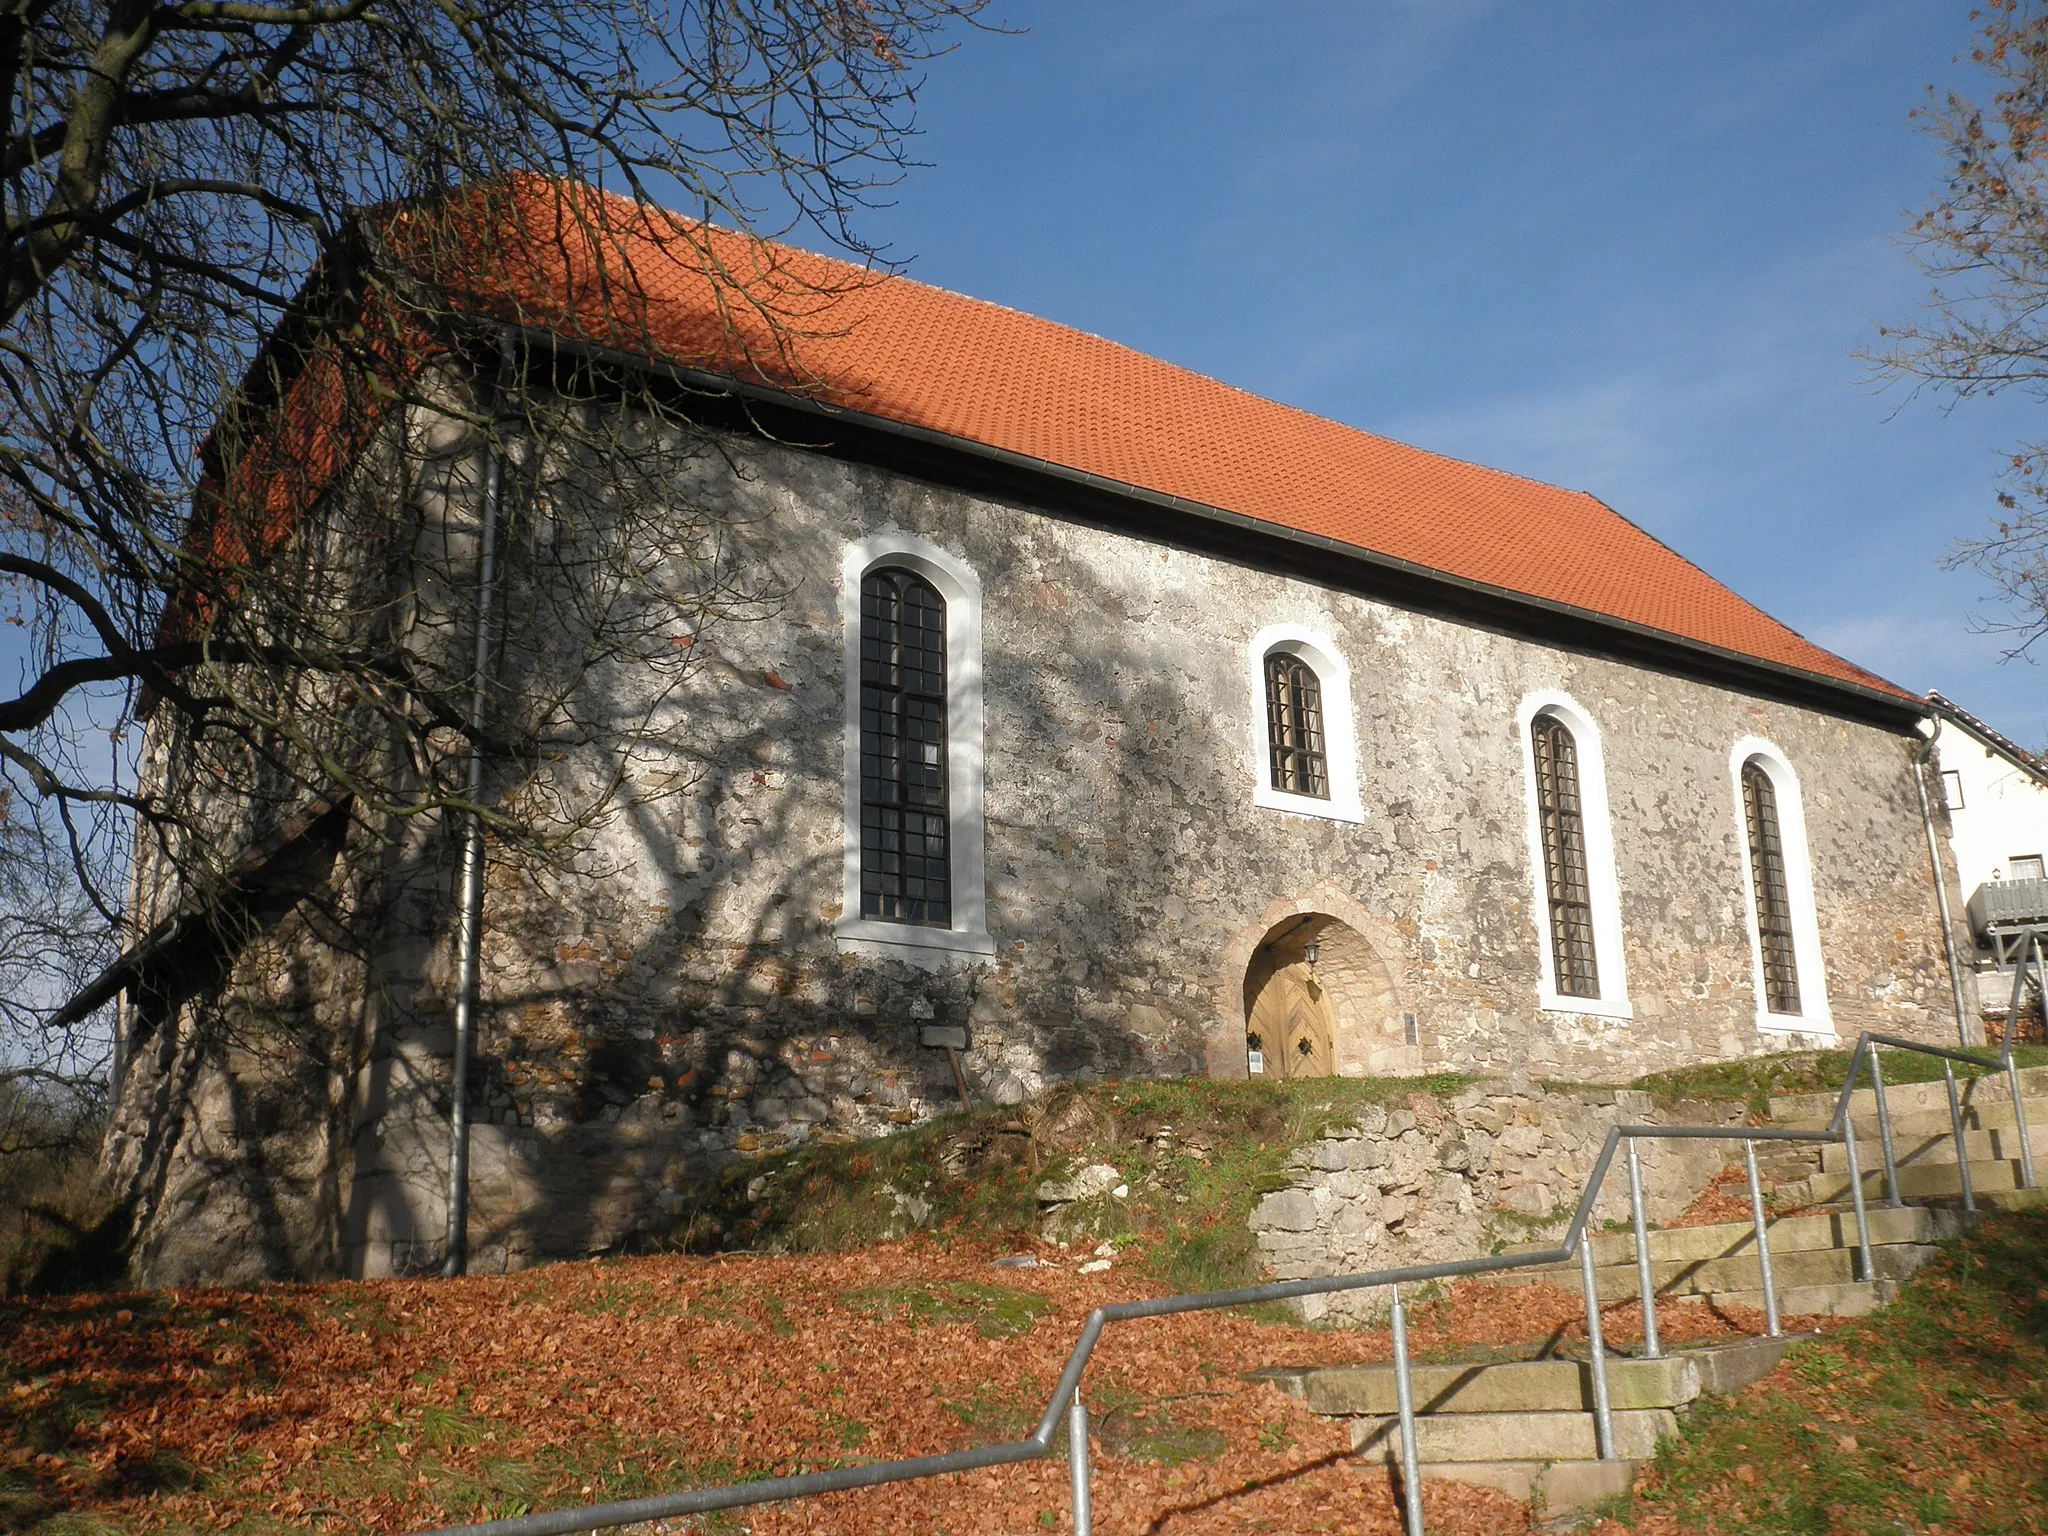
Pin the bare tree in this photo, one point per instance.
(237, 249)
(1984, 329)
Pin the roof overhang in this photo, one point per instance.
(1945, 708)
(1077, 494)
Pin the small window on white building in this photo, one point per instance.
(1952, 788)
(1577, 908)
(1777, 886)
(1304, 752)
(2025, 866)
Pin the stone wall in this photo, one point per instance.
(1495, 1164)
(685, 999)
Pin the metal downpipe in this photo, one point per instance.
(1922, 754)
(469, 934)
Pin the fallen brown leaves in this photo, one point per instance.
(398, 1405)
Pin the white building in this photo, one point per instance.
(1997, 797)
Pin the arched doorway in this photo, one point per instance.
(1318, 1002)
(1288, 1032)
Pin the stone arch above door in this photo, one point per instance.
(1365, 1001)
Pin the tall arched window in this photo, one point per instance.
(1787, 968)
(905, 854)
(1304, 753)
(1775, 938)
(913, 876)
(1567, 887)
(1575, 905)
(1294, 727)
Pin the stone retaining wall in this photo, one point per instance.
(1500, 1162)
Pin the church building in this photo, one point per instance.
(1112, 722)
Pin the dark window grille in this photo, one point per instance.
(1773, 900)
(905, 837)
(1294, 727)
(1563, 822)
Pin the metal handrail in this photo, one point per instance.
(1066, 1394)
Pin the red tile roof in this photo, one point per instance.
(599, 269)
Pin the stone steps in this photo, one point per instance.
(1995, 1114)
(1813, 1260)
(1526, 1427)
(1537, 1437)
(1799, 1270)
(1919, 1181)
(1854, 1299)
(1918, 1146)
(1813, 1109)
(1526, 1386)
(1789, 1234)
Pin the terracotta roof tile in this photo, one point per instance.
(597, 268)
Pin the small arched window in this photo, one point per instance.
(1294, 727)
(905, 853)
(1774, 931)
(1567, 889)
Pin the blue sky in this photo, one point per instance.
(1624, 248)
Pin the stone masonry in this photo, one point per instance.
(686, 1001)
(1497, 1163)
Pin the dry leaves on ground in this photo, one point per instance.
(397, 1405)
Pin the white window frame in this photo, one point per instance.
(1340, 742)
(1602, 886)
(1814, 1016)
(961, 588)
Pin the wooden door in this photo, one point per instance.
(1290, 1017)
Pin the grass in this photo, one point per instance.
(1169, 1430)
(1196, 1157)
(1755, 1079)
(1930, 1414)
(995, 1311)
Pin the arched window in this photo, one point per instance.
(1786, 967)
(1294, 727)
(905, 853)
(1567, 886)
(913, 877)
(1304, 755)
(1775, 938)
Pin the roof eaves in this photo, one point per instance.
(192, 912)
(1900, 703)
(2027, 762)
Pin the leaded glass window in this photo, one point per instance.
(1773, 899)
(1561, 815)
(905, 843)
(1294, 727)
